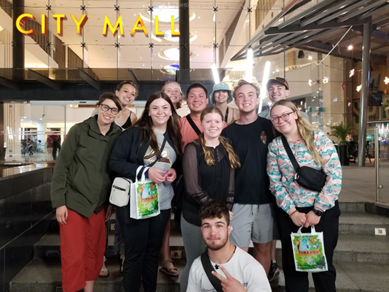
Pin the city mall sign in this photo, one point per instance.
(138, 26)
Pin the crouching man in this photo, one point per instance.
(223, 266)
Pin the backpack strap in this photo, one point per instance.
(290, 154)
(208, 268)
(193, 125)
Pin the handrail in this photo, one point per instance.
(378, 122)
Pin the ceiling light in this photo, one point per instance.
(359, 87)
(386, 80)
(310, 82)
(325, 80)
(301, 54)
(249, 65)
(350, 47)
(309, 57)
(215, 74)
(265, 78)
(351, 73)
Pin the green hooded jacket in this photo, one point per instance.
(81, 179)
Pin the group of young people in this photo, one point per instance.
(238, 180)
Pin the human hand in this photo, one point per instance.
(311, 219)
(298, 218)
(156, 175)
(61, 213)
(108, 213)
(171, 175)
(229, 284)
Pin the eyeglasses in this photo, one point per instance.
(285, 117)
(105, 108)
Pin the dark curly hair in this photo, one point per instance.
(214, 209)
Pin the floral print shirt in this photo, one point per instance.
(281, 172)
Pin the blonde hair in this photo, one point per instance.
(179, 104)
(243, 82)
(233, 158)
(304, 127)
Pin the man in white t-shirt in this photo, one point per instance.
(237, 270)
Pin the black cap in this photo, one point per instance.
(279, 80)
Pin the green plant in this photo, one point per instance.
(340, 131)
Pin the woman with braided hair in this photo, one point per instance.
(208, 167)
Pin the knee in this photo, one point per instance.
(263, 248)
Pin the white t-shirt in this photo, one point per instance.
(242, 266)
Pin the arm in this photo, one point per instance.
(333, 170)
(190, 170)
(231, 190)
(283, 199)
(58, 186)
(121, 161)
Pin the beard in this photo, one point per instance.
(217, 245)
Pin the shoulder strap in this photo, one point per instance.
(290, 154)
(226, 117)
(193, 125)
(155, 161)
(205, 261)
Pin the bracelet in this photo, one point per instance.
(292, 213)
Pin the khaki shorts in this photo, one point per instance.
(253, 222)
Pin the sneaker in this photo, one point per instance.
(274, 271)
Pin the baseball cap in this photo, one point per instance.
(279, 80)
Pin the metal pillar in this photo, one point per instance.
(365, 92)
(17, 41)
(184, 41)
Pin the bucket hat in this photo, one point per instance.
(218, 87)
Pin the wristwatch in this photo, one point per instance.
(317, 212)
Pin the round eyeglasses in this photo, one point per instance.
(285, 117)
(105, 108)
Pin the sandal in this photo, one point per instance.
(170, 272)
(104, 271)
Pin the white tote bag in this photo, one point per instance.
(308, 251)
(144, 197)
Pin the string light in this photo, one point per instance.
(325, 80)
(310, 82)
(386, 81)
(359, 87)
(350, 47)
(351, 73)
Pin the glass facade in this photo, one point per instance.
(142, 48)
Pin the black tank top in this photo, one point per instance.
(128, 123)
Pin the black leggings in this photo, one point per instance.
(329, 225)
(142, 245)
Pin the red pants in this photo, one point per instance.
(82, 249)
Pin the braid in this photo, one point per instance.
(208, 156)
(233, 158)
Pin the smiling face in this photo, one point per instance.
(126, 94)
(160, 112)
(106, 117)
(220, 96)
(197, 100)
(287, 127)
(277, 92)
(246, 98)
(215, 232)
(212, 124)
(173, 90)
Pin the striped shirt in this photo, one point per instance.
(289, 193)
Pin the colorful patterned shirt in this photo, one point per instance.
(289, 193)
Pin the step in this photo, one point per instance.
(44, 275)
(361, 223)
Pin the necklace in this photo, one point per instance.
(217, 265)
